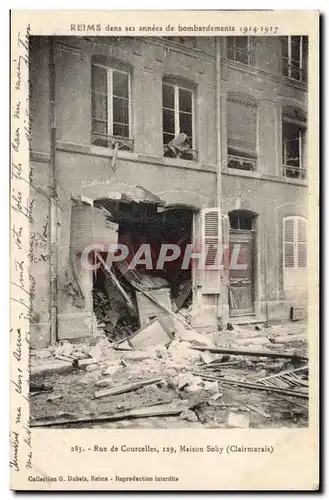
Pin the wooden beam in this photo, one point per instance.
(161, 410)
(126, 387)
(248, 385)
(241, 352)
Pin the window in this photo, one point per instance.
(239, 49)
(241, 131)
(294, 242)
(294, 57)
(111, 121)
(241, 220)
(293, 143)
(177, 119)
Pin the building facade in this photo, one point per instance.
(104, 111)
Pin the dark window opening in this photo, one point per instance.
(295, 57)
(293, 152)
(241, 220)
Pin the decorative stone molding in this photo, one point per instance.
(294, 113)
(62, 45)
(242, 98)
(189, 199)
(247, 204)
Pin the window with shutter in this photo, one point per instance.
(241, 131)
(211, 248)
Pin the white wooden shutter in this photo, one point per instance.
(211, 248)
(302, 243)
(226, 253)
(289, 242)
(295, 242)
(295, 254)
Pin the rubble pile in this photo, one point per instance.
(192, 380)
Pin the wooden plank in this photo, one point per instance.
(165, 308)
(257, 410)
(162, 410)
(116, 282)
(294, 402)
(242, 352)
(285, 372)
(248, 385)
(126, 387)
(184, 293)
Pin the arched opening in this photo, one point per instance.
(242, 262)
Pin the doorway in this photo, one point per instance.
(242, 263)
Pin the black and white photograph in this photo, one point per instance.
(168, 236)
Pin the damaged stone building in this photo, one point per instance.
(167, 140)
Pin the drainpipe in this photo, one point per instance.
(219, 158)
(53, 199)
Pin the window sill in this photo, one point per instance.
(256, 71)
(238, 64)
(292, 81)
(99, 151)
(263, 176)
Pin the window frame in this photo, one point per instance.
(241, 153)
(248, 52)
(295, 242)
(109, 84)
(301, 70)
(302, 148)
(176, 110)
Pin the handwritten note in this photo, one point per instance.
(22, 280)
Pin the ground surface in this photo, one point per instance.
(211, 403)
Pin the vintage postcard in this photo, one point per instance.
(164, 243)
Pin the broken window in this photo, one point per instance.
(293, 143)
(241, 131)
(294, 57)
(295, 242)
(110, 110)
(177, 120)
(239, 49)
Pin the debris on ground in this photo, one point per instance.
(211, 380)
(54, 397)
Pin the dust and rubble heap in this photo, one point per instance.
(188, 377)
